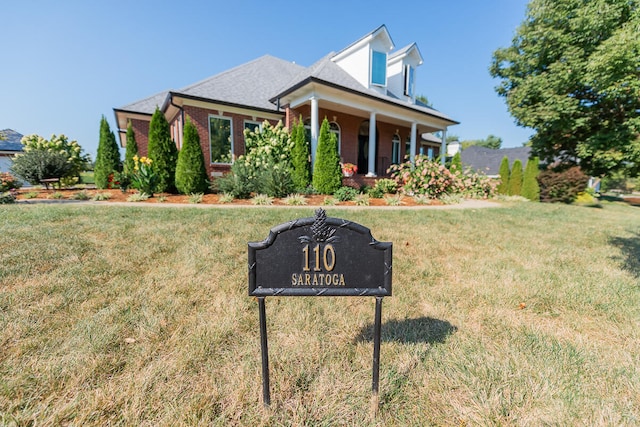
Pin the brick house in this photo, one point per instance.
(366, 92)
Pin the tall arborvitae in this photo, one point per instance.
(108, 156)
(327, 174)
(130, 151)
(503, 188)
(515, 180)
(530, 186)
(191, 173)
(163, 152)
(301, 166)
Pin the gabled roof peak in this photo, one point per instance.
(381, 33)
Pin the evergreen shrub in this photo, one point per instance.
(327, 173)
(191, 173)
(515, 179)
(163, 152)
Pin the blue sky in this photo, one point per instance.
(66, 63)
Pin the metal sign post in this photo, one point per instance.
(319, 256)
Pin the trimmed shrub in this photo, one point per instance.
(515, 180)
(163, 152)
(191, 174)
(35, 165)
(108, 156)
(530, 187)
(300, 155)
(327, 173)
(130, 151)
(561, 185)
(503, 187)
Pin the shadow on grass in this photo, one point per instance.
(420, 330)
(630, 248)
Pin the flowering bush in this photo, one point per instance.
(8, 187)
(144, 178)
(425, 177)
(267, 148)
(476, 185)
(429, 178)
(58, 144)
(8, 182)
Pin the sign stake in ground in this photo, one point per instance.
(319, 256)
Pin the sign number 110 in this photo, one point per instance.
(328, 258)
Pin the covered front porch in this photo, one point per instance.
(372, 133)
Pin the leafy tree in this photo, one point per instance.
(108, 156)
(327, 174)
(35, 165)
(515, 179)
(163, 152)
(503, 187)
(131, 150)
(572, 74)
(530, 187)
(191, 173)
(301, 167)
(492, 141)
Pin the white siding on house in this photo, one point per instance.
(5, 163)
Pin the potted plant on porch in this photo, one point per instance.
(348, 169)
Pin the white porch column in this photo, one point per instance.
(314, 129)
(372, 144)
(443, 147)
(412, 155)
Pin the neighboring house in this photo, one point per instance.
(366, 91)
(10, 145)
(487, 160)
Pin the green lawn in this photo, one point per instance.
(527, 314)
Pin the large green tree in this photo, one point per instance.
(191, 173)
(162, 151)
(572, 74)
(492, 141)
(108, 155)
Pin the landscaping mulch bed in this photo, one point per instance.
(207, 199)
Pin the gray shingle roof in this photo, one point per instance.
(11, 141)
(488, 160)
(147, 105)
(251, 84)
(328, 71)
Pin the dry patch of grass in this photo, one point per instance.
(524, 315)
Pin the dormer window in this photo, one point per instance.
(409, 80)
(378, 68)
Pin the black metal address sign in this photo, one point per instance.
(319, 256)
